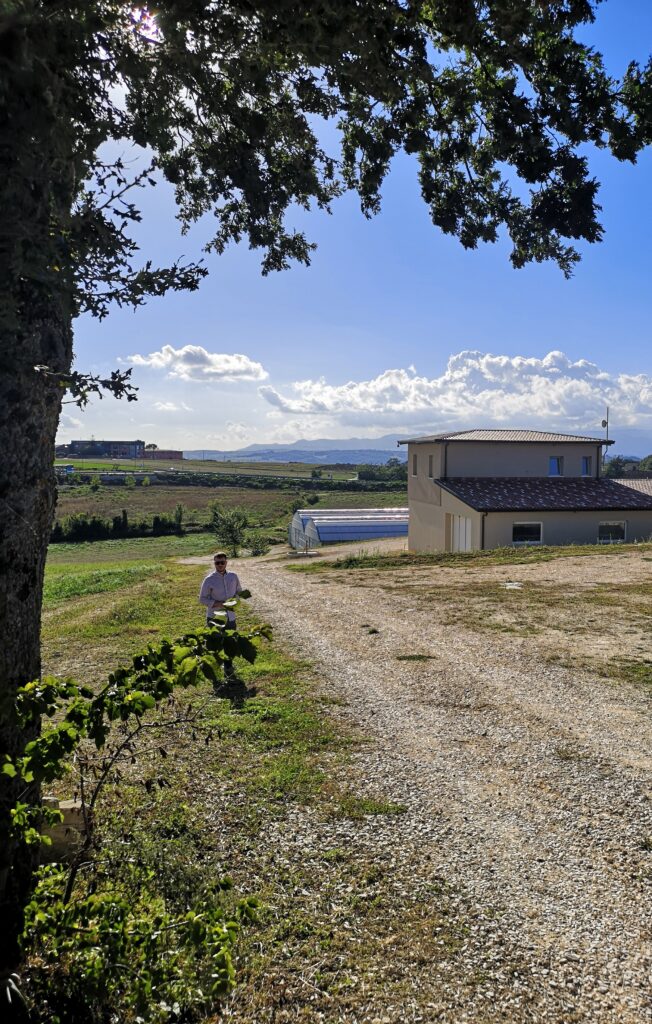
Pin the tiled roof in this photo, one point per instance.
(540, 436)
(644, 485)
(539, 494)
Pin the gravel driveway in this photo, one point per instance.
(527, 784)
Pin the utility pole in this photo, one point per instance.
(605, 424)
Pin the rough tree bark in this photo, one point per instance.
(27, 499)
(36, 190)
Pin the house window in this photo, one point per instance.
(587, 463)
(556, 465)
(527, 533)
(430, 461)
(414, 465)
(611, 532)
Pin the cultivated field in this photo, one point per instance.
(269, 509)
(437, 789)
(298, 470)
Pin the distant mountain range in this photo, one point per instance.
(377, 450)
(350, 451)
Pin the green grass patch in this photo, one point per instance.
(639, 672)
(132, 549)
(64, 582)
(357, 807)
(459, 559)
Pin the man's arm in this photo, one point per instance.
(205, 594)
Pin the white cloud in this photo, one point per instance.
(172, 407)
(67, 422)
(476, 389)
(194, 363)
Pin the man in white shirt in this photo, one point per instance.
(217, 588)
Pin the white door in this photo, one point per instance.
(461, 533)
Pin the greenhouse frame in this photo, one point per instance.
(310, 528)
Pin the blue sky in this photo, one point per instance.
(394, 328)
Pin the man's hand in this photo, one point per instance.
(217, 604)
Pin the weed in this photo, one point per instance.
(633, 671)
(569, 752)
(357, 807)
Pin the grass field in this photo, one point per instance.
(273, 750)
(278, 754)
(268, 509)
(299, 470)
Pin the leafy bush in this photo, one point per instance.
(82, 527)
(257, 542)
(103, 941)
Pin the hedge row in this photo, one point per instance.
(82, 527)
(252, 482)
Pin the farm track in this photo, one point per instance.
(526, 783)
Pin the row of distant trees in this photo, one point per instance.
(619, 467)
(231, 526)
(83, 527)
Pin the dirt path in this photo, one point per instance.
(527, 784)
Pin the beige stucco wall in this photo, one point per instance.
(565, 527)
(466, 458)
(428, 528)
(420, 487)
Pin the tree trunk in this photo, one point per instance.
(36, 192)
(29, 414)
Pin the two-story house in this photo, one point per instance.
(481, 489)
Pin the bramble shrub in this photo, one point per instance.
(104, 940)
(257, 542)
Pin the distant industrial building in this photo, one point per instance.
(114, 450)
(101, 450)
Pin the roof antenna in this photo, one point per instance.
(605, 424)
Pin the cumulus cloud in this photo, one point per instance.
(194, 363)
(477, 388)
(172, 407)
(67, 422)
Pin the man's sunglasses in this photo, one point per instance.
(220, 561)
